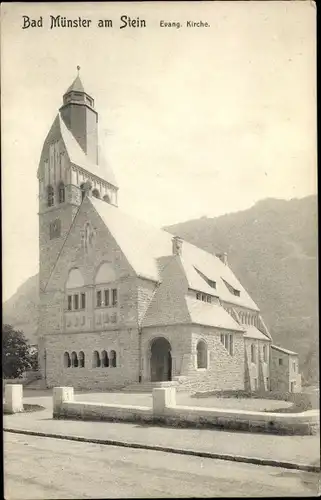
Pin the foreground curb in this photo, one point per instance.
(177, 451)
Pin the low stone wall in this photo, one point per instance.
(166, 412)
(302, 401)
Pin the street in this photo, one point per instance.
(45, 468)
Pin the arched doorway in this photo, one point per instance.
(161, 360)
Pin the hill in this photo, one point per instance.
(272, 248)
(21, 310)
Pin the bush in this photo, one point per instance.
(17, 356)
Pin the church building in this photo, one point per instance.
(124, 304)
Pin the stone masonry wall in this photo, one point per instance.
(259, 370)
(105, 249)
(223, 372)
(123, 342)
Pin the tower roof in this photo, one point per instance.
(76, 85)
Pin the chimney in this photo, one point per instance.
(223, 257)
(177, 245)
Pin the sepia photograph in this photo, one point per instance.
(160, 330)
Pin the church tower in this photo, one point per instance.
(81, 119)
(71, 163)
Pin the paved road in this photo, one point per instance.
(45, 468)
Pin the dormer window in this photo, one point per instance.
(231, 289)
(204, 297)
(210, 282)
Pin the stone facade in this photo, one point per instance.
(125, 342)
(257, 365)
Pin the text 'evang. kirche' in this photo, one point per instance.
(79, 22)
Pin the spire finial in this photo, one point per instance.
(78, 69)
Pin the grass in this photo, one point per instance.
(27, 408)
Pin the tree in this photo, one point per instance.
(16, 352)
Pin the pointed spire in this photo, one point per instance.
(76, 84)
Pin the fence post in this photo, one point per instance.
(13, 398)
(61, 395)
(163, 397)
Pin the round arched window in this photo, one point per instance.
(67, 360)
(96, 193)
(61, 193)
(201, 354)
(74, 360)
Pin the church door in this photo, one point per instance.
(161, 360)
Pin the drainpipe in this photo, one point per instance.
(140, 354)
(45, 360)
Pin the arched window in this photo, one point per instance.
(96, 359)
(67, 361)
(96, 193)
(201, 354)
(74, 359)
(83, 190)
(75, 279)
(50, 196)
(104, 359)
(253, 353)
(105, 274)
(81, 359)
(61, 193)
(106, 198)
(113, 359)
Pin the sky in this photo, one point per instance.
(194, 121)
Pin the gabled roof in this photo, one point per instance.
(173, 304)
(141, 243)
(285, 351)
(144, 244)
(253, 333)
(75, 153)
(76, 86)
(78, 157)
(214, 269)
